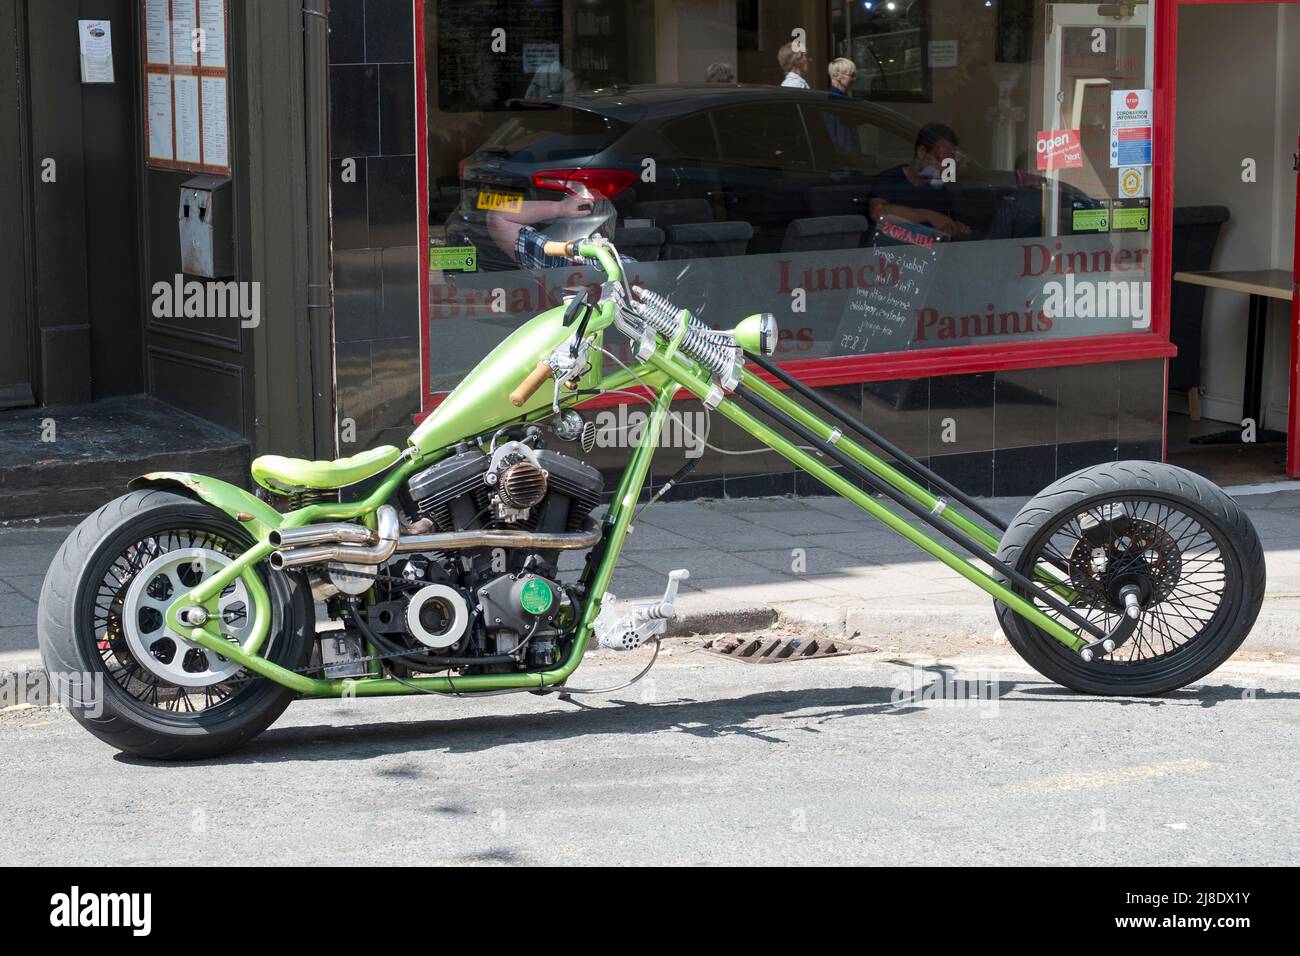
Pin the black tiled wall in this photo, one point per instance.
(377, 259)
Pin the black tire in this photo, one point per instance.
(70, 645)
(1235, 542)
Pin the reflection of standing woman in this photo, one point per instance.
(795, 66)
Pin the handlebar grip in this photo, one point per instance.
(558, 247)
(531, 384)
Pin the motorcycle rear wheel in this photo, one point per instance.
(1187, 544)
(100, 617)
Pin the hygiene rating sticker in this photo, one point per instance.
(1090, 217)
(453, 259)
(1131, 215)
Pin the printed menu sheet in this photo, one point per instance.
(186, 84)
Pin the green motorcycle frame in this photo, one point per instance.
(1038, 592)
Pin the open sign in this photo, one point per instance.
(1059, 149)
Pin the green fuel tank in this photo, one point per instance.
(481, 402)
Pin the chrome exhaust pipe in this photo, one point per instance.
(339, 533)
(389, 543)
(385, 543)
(499, 538)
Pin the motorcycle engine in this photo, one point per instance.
(486, 610)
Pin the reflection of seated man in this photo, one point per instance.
(552, 79)
(915, 191)
(515, 234)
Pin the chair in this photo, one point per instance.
(673, 212)
(700, 240)
(838, 200)
(1196, 233)
(823, 233)
(643, 243)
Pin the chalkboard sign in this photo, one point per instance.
(881, 316)
(479, 71)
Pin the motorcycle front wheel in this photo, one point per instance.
(112, 660)
(1187, 547)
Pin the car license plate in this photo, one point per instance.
(494, 201)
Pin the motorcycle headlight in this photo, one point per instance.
(757, 333)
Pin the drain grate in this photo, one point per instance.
(772, 650)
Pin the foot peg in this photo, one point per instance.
(640, 622)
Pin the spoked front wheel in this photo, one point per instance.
(1190, 552)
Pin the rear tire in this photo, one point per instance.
(1192, 647)
(76, 640)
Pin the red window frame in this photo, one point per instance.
(956, 360)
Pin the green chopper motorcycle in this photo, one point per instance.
(180, 620)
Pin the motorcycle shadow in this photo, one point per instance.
(768, 716)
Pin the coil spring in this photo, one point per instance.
(294, 501)
(700, 342)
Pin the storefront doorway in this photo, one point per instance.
(1233, 302)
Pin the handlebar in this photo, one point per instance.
(684, 334)
(535, 380)
(586, 249)
(607, 257)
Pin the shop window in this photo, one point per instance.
(960, 190)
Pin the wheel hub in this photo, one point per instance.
(1125, 552)
(163, 651)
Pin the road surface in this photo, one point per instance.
(874, 758)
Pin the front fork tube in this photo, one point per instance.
(833, 480)
(869, 461)
(617, 523)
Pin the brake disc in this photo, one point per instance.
(1124, 550)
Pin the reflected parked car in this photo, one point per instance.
(703, 170)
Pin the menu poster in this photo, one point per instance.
(95, 38)
(186, 84)
(216, 150)
(157, 32)
(184, 39)
(212, 33)
(159, 93)
(189, 147)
